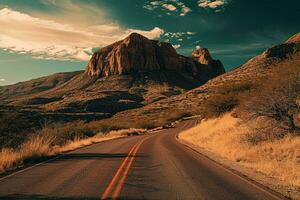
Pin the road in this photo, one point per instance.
(152, 166)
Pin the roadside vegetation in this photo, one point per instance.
(21, 141)
(161, 118)
(53, 139)
(256, 124)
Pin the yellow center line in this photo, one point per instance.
(114, 179)
(122, 180)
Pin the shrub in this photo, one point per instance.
(12, 128)
(219, 104)
(235, 87)
(276, 98)
(63, 132)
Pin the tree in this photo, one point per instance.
(276, 98)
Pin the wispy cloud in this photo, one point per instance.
(168, 6)
(48, 39)
(2, 79)
(176, 46)
(177, 38)
(211, 3)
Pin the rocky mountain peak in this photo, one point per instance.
(294, 39)
(135, 37)
(137, 53)
(202, 55)
(291, 46)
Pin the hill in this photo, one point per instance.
(128, 74)
(224, 88)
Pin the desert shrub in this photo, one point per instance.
(259, 136)
(276, 98)
(36, 147)
(235, 87)
(12, 128)
(175, 115)
(64, 132)
(219, 104)
(164, 119)
(226, 97)
(147, 122)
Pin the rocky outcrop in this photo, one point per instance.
(213, 67)
(294, 39)
(281, 51)
(153, 71)
(136, 53)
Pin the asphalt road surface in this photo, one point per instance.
(152, 166)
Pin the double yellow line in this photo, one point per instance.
(113, 189)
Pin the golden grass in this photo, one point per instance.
(224, 136)
(77, 143)
(40, 146)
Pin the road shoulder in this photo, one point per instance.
(261, 180)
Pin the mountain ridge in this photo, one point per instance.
(127, 74)
(192, 101)
(137, 53)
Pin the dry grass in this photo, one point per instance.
(77, 143)
(41, 146)
(225, 136)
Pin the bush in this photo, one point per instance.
(276, 98)
(219, 104)
(63, 132)
(226, 97)
(13, 126)
(235, 87)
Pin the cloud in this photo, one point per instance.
(178, 35)
(171, 6)
(177, 38)
(2, 79)
(190, 33)
(211, 3)
(176, 46)
(48, 39)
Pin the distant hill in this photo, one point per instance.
(244, 77)
(128, 74)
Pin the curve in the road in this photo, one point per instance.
(152, 166)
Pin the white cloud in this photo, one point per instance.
(211, 3)
(179, 36)
(171, 6)
(48, 39)
(190, 33)
(176, 46)
(2, 79)
(184, 8)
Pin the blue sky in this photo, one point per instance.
(41, 37)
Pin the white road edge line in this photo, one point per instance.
(246, 179)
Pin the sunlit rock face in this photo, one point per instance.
(214, 67)
(137, 53)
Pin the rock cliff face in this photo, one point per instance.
(136, 53)
(213, 67)
(294, 39)
(127, 74)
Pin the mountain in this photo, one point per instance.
(136, 53)
(36, 85)
(128, 74)
(244, 77)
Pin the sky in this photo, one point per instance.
(42, 37)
